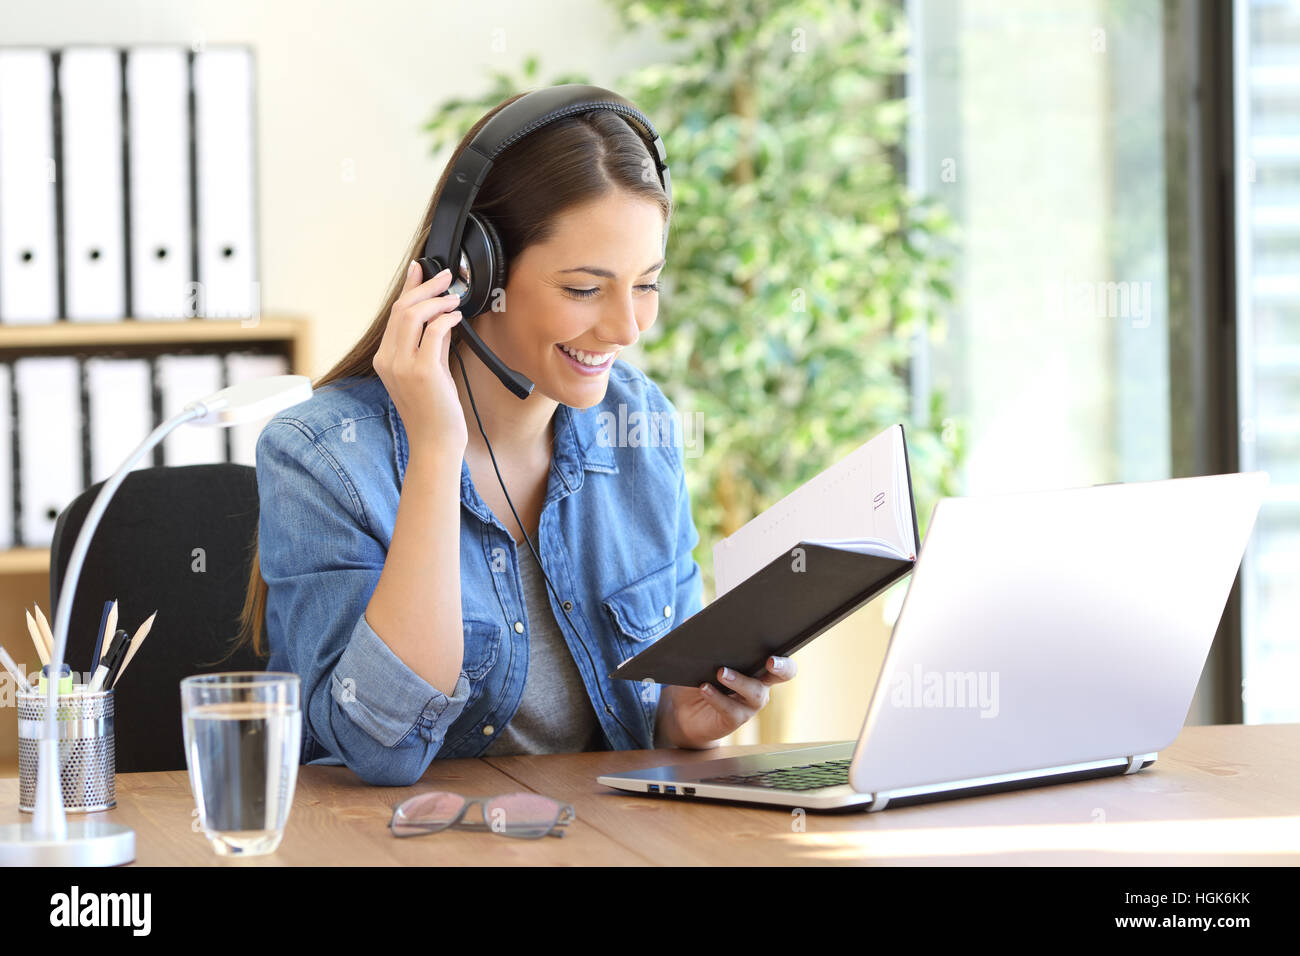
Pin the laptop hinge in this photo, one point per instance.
(878, 802)
(1136, 760)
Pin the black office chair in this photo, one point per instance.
(178, 540)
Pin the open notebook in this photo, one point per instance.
(805, 563)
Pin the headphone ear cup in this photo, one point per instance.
(482, 248)
(498, 256)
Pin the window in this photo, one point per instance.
(1041, 126)
(1267, 118)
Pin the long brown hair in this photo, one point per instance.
(566, 163)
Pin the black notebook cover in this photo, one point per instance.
(774, 612)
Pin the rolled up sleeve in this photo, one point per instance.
(321, 565)
(370, 683)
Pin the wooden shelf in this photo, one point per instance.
(291, 332)
(139, 332)
(55, 337)
(25, 561)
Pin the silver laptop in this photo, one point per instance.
(1046, 637)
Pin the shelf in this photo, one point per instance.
(138, 332)
(24, 561)
(291, 333)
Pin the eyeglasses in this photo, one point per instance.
(524, 815)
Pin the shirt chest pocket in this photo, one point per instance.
(644, 609)
(482, 645)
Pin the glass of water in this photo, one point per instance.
(243, 736)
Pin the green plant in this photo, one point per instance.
(800, 268)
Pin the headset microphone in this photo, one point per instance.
(458, 235)
(517, 382)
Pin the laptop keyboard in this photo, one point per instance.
(809, 776)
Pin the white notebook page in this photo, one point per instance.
(860, 503)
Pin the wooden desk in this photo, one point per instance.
(1220, 795)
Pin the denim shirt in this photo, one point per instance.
(616, 538)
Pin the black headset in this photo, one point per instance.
(468, 239)
(458, 235)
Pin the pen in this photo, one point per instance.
(141, 633)
(105, 665)
(39, 641)
(121, 644)
(109, 608)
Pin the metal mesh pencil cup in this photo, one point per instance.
(87, 749)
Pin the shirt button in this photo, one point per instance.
(519, 627)
(488, 730)
(568, 605)
(668, 610)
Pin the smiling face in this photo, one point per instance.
(574, 302)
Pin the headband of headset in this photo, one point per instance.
(529, 113)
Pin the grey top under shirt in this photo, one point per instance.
(555, 714)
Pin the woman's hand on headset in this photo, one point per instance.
(412, 363)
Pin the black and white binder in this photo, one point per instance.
(119, 394)
(241, 367)
(29, 285)
(49, 442)
(223, 97)
(158, 91)
(94, 244)
(182, 379)
(7, 538)
(800, 567)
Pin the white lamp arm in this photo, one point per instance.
(49, 818)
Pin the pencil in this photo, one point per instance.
(12, 668)
(45, 631)
(136, 641)
(39, 641)
(111, 627)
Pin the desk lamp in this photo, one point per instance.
(50, 840)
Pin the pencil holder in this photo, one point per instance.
(87, 749)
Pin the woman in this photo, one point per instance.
(398, 581)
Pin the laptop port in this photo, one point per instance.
(669, 788)
(653, 788)
(688, 790)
